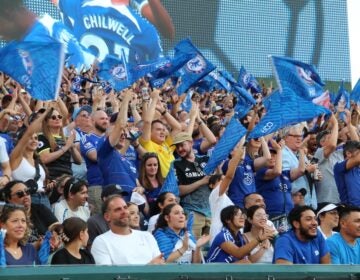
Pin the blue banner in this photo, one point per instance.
(195, 69)
(355, 93)
(232, 135)
(301, 77)
(283, 109)
(248, 81)
(115, 71)
(244, 101)
(36, 66)
(170, 184)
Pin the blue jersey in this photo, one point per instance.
(341, 252)
(216, 254)
(243, 182)
(348, 183)
(46, 29)
(288, 247)
(90, 142)
(276, 192)
(115, 168)
(107, 28)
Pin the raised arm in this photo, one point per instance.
(300, 170)
(148, 115)
(330, 145)
(272, 173)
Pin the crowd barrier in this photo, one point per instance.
(183, 272)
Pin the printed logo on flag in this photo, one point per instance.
(118, 72)
(196, 65)
(26, 60)
(305, 75)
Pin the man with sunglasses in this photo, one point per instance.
(41, 217)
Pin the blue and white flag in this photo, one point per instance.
(159, 77)
(44, 251)
(195, 69)
(232, 135)
(170, 184)
(187, 103)
(76, 84)
(141, 70)
(36, 66)
(244, 101)
(283, 109)
(220, 79)
(228, 77)
(115, 71)
(355, 93)
(342, 101)
(302, 78)
(248, 81)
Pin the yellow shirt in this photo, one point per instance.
(164, 152)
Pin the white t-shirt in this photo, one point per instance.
(217, 203)
(152, 223)
(138, 247)
(62, 211)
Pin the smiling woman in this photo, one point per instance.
(14, 220)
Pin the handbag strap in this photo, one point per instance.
(37, 170)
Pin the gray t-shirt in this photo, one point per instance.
(326, 190)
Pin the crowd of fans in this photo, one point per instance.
(89, 168)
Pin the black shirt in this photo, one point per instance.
(64, 257)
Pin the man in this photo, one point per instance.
(115, 168)
(347, 174)
(345, 245)
(154, 137)
(88, 147)
(113, 27)
(96, 223)
(122, 245)
(298, 197)
(193, 184)
(328, 154)
(293, 137)
(303, 244)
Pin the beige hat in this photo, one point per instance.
(181, 137)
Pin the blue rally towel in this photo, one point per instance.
(232, 135)
(115, 71)
(302, 78)
(283, 109)
(37, 66)
(170, 183)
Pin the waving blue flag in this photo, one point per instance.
(228, 77)
(170, 184)
(141, 70)
(286, 108)
(248, 81)
(221, 80)
(355, 93)
(195, 69)
(232, 135)
(302, 78)
(44, 251)
(36, 66)
(115, 71)
(76, 84)
(2, 248)
(342, 101)
(244, 101)
(187, 104)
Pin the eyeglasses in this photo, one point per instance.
(21, 194)
(55, 117)
(295, 136)
(261, 216)
(240, 215)
(333, 213)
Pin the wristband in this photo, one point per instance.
(73, 103)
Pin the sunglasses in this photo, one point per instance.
(56, 117)
(21, 194)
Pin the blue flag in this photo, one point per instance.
(302, 78)
(244, 101)
(170, 184)
(221, 80)
(195, 69)
(115, 71)
(159, 77)
(44, 251)
(283, 109)
(187, 103)
(76, 84)
(190, 222)
(232, 135)
(342, 101)
(355, 93)
(248, 81)
(141, 70)
(36, 66)
(228, 77)
(2, 249)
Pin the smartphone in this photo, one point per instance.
(134, 134)
(145, 93)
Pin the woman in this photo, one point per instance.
(134, 215)
(41, 217)
(162, 201)
(257, 223)
(25, 163)
(229, 245)
(174, 241)
(150, 178)
(75, 237)
(14, 220)
(74, 203)
(54, 149)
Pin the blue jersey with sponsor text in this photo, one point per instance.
(106, 28)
